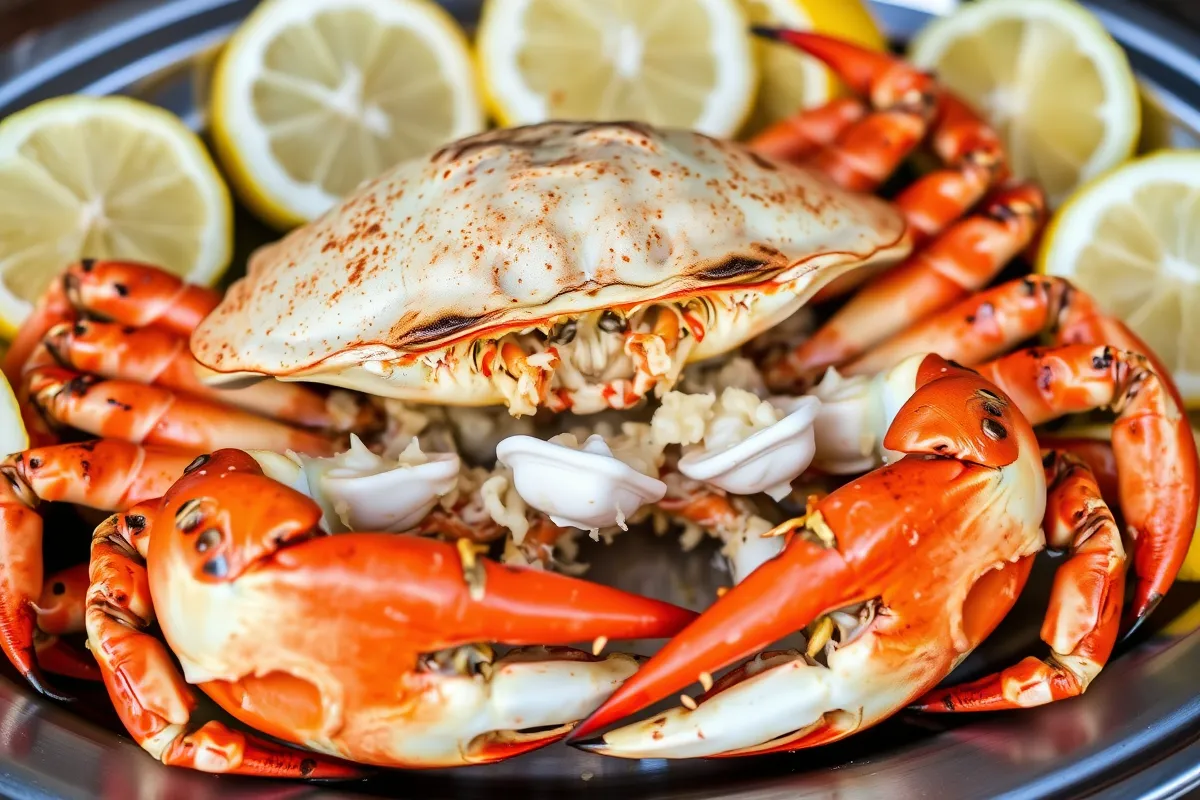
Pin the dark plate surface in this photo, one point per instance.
(1135, 734)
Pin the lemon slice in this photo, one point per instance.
(104, 177)
(1056, 86)
(13, 436)
(313, 97)
(1130, 239)
(790, 80)
(1190, 570)
(671, 63)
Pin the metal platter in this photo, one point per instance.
(1135, 734)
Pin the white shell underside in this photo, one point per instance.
(507, 229)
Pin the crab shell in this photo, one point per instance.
(514, 229)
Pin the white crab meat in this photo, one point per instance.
(360, 491)
(855, 414)
(573, 265)
(750, 548)
(581, 486)
(767, 460)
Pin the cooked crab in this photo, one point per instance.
(582, 267)
(568, 265)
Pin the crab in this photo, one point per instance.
(595, 268)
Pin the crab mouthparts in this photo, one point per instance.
(600, 360)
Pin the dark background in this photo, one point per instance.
(19, 16)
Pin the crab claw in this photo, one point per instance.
(736, 626)
(882, 78)
(398, 628)
(897, 584)
(455, 705)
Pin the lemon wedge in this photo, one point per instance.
(790, 80)
(1130, 239)
(13, 436)
(104, 177)
(312, 97)
(671, 63)
(1048, 76)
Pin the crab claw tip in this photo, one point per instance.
(44, 688)
(593, 745)
(1139, 613)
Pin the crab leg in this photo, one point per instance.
(978, 503)
(903, 103)
(796, 137)
(51, 309)
(59, 612)
(152, 699)
(1085, 603)
(994, 321)
(1158, 495)
(161, 357)
(1151, 437)
(908, 104)
(104, 474)
(961, 261)
(157, 416)
(138, 295)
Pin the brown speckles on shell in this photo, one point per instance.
(514, 225)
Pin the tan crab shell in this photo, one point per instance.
(502, 231)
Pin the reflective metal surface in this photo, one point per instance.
(1135, 734)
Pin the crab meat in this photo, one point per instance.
(748, 445)
(358, 490)
(583, 486)
(569, 265)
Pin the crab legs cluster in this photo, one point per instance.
(289, 586)
(105, 355)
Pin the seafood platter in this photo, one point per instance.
(706, 398)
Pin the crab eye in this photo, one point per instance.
(217, 567)
(189, 516)
(612, 322)
(565, 333)
(994, 430)
(196, 464)
(208, 540)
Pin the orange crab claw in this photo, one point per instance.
(460, 598)
(864, 71)
(736, 626)
(967, 446)
(268, 614)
